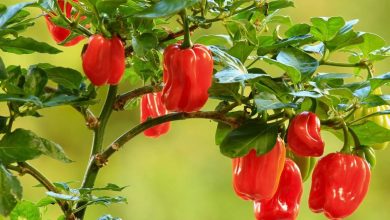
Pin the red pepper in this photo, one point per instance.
(187, 77)
(339, 184)
(303, 135)
(257, 177)
(151, 107)
(104, 60)
(58, 33)
(285, 203)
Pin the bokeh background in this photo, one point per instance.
(182, 175)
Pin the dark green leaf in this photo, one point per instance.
(325, 29)
(226, 91)
(251, 135)
(279, 4)
(242, 30)
(14, 98)
(109, 6)
(165, 8)
(36, 80)
(267, 101)
(66, 77)
(11, 12)
(109, 187)
(22, 145)
(306, 64)
(25, 45)
(226, 60)
(144, 43)
(3, 71)
(292, 41)
(25, 210)
(291, 71)
(10, 191)
(221, 132)
(3, 124)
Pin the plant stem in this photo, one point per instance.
(331, 63)
(91, 173)
(346, 147)
(123, 98)
(187, 33)
(24, 167)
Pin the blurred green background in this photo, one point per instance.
(182, 175)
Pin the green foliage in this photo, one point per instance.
(11, 191)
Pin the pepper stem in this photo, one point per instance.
(187, 33)
(346, 147)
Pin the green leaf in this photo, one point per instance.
(226, 60)
(36, 80)
(10, 191)
(251, 135)
(3, 124)
(108, 187)
(345, 37)
(325, 29)
(317, 48)
(291, 71)
(229, 75)
(267, 101)
(298, 30)
(165, 8)
(22, 145)
(65, 197)
(376, 134)
(380, 54)
(242, 30)
(25, 45)
(306, 64)
(292, 41)
(371, 43)
(311, 94)
(222, 131)
(66, 77)
(16, 98)
(144, 43)
(226, 91)
(279, 4)
(11, 11)
(217, 40)
(46, 201)
(108, 217)
(109, 6)
(241, 50)
(25, 210)
(379, 81)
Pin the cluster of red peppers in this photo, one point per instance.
(339, 182)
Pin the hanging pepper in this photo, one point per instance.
(151, 107)
(303, 135)
(339, 184)
(104, 60)
(257, 177)
(58, 33)
(381, 120)
(187, 76)
(285, 203)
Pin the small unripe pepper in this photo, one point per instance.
(187, 76)
(303, 135)
(59, 34)
(285, 203)
(104, 60)
(339, 184)
(151, 107)
(257, 177)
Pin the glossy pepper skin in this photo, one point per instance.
(303, 135)
(339, 184)
(59, 34)
(187, 76)
(284, 205)
(151, 107)
(257, 177)
(104, 60)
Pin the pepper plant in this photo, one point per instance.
(261, 68)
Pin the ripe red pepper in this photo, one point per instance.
(152, 107)
(285, 203)
(339, 184)
(104, 60)
(58, 33)
(303, 135)
(187, 77)
(257, 177)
